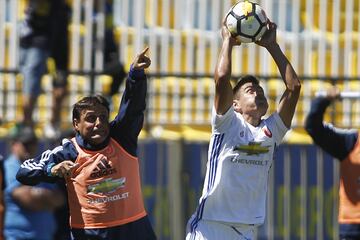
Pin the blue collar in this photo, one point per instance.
(84, 144)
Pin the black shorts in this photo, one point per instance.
(138, 230)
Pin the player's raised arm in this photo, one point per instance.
(291, 94)
(129, 121)
(223, 90)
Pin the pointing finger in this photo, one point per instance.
(144, 51)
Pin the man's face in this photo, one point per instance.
(93, 124)
(250, 99)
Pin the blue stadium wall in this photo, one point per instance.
(169, 220)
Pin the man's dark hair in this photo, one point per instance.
(243, 80)
(87, 103)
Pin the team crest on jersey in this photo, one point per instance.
(253, 148)
(267, 132)
(103, 168)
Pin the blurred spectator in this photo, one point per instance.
(60, 55)
(112, 65)
(29, 209)
(43, 33)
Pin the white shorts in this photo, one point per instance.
(212, 230)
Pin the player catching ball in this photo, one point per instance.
(242, 145)
(100, 166)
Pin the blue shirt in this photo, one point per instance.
(21, 223)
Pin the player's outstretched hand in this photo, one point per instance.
(141, 61)
(269, 37)
(333, 93)
(225, 34)
(63, 169)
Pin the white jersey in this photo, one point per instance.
(239, 158)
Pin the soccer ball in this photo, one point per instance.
(246, 21)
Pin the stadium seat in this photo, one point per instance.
(315, 24)
(297, 136)
(171, 132)
(154, 17)
(350, 37)
(354, 86)
(313, 66)
(103, 84)
(196, 132)
(275, 88)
